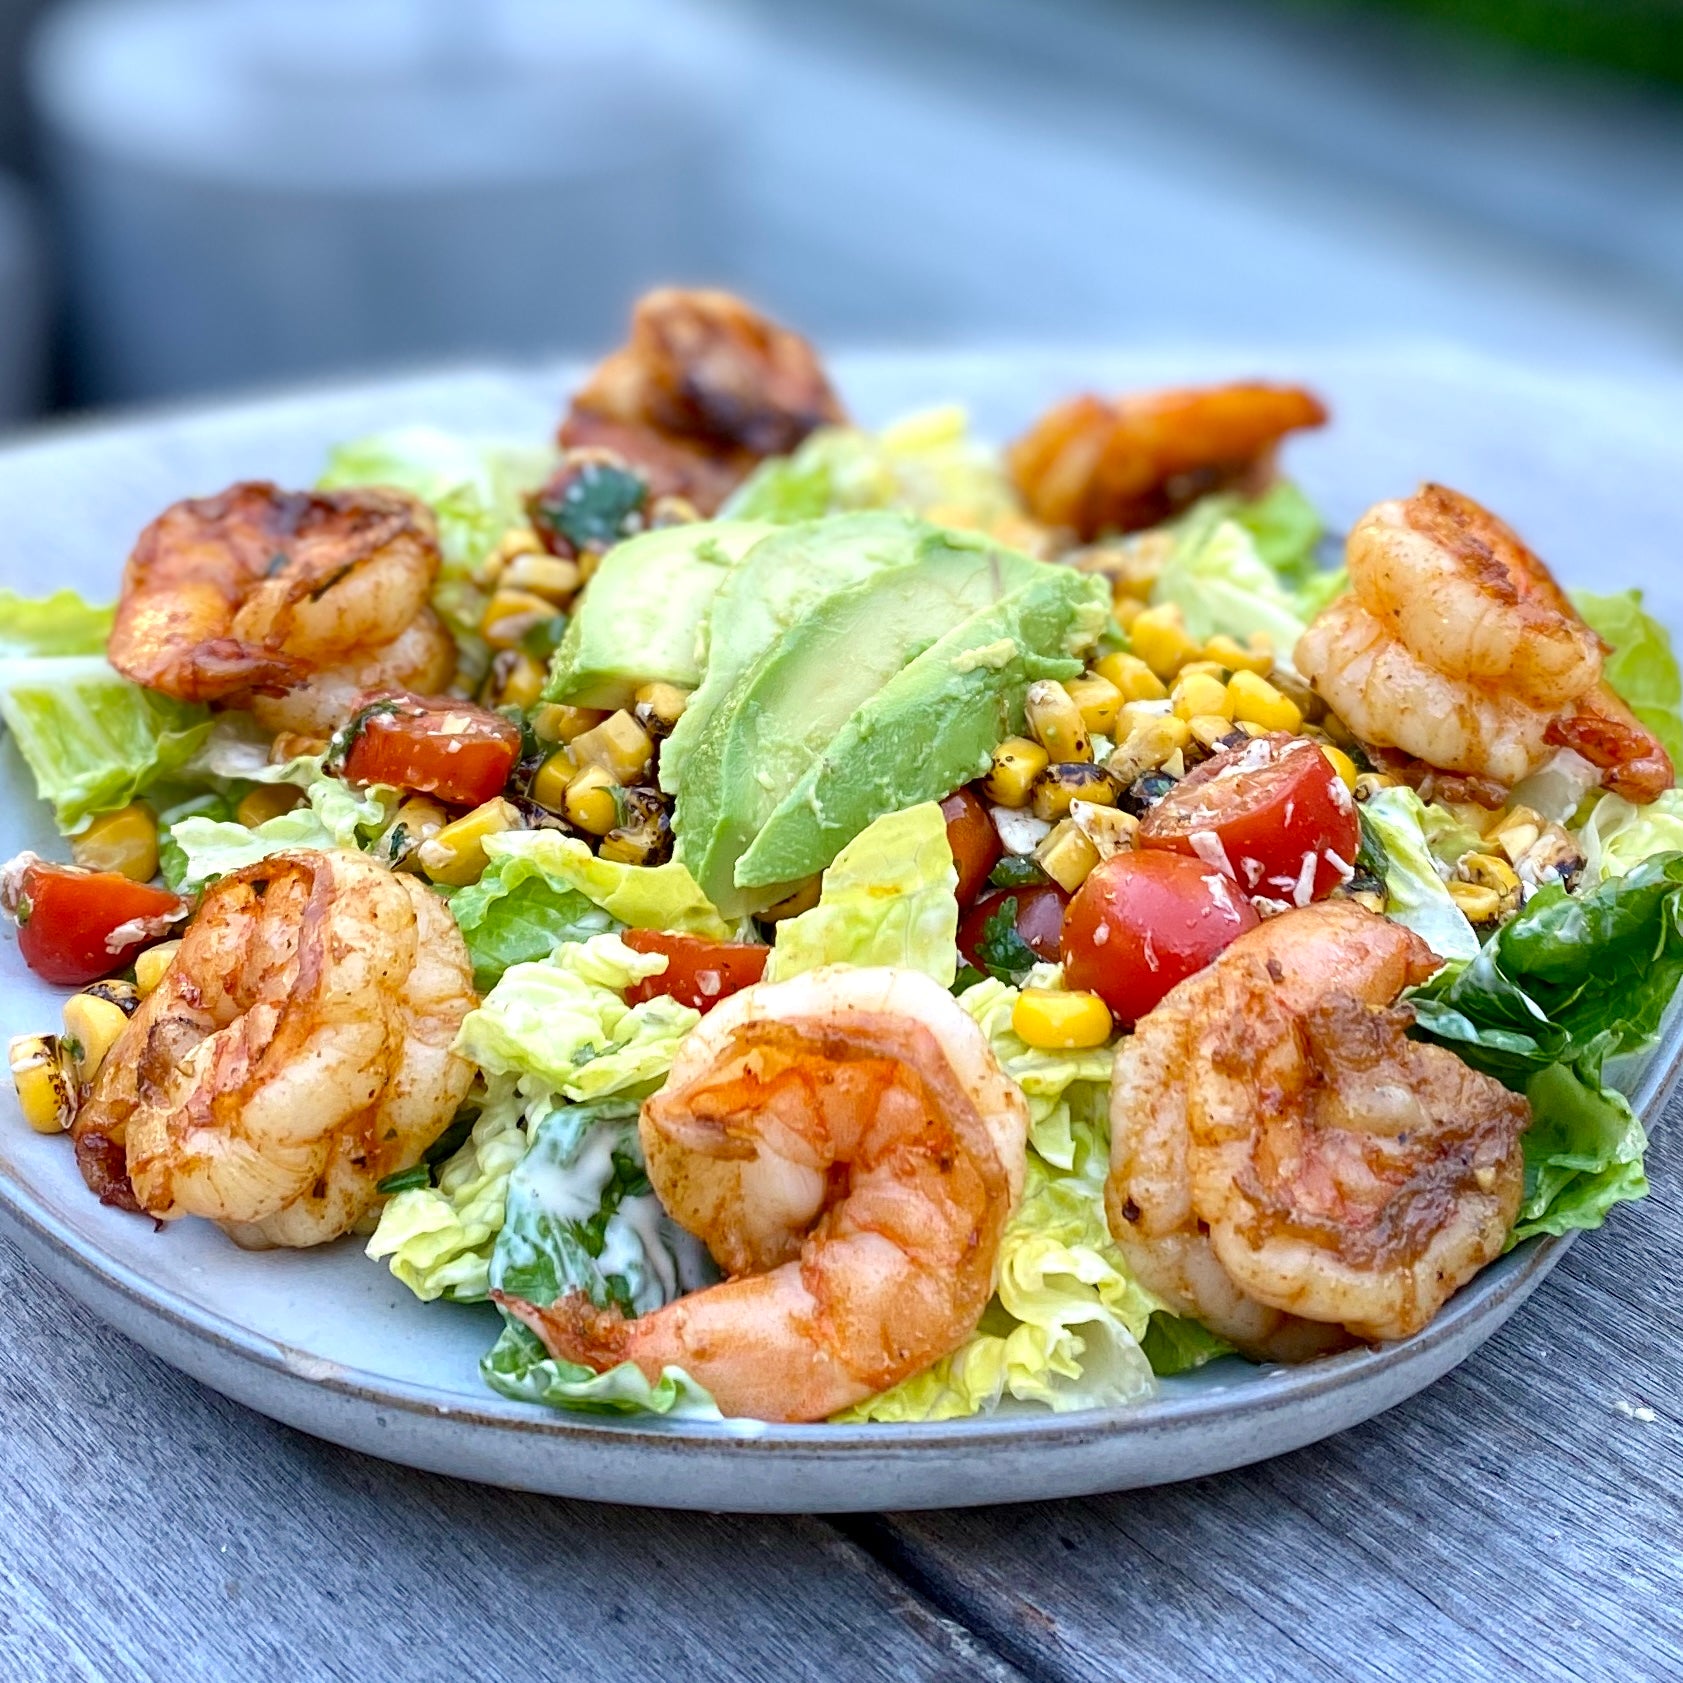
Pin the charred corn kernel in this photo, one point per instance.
(1054, 1021)
(549, 783)
(1067, 856)
(1489, 871)
(1058, 786)
(1150, 743)
(1245, 727)
(92, 1026)
(1253, 698)
(619, 745)
(1132, 677)
(266, 801)
(45, 1080)
(547, 576)
(125, 841)
(1369, 783)
(1210, 730)
(1199, 694)
(556, 722)
(1017, 762)
(665, 701)
(417, 820)
(802, 900)
(1342, 764)
(1516, 833)
(517, 680)
(510, 614)
(589, 801)
(1054, 721)
(1236, 657)
(643, 835)
(456, 855)
(1108, 828)
(1098, 701)
(149, 966)
(1479, 903)
(1125, 606)
(124, 995)
(1160, 639)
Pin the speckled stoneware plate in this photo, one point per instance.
(328, 1342)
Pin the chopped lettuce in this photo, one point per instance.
(889, 897)
(93, 740)
(1414, 837)
(926, 463)
(516, 913)
(1641, 668)
(1175, 1344)
(60, 624)
(1568, 983)
(518, 1367)
(1617, 835)
(562, 1022)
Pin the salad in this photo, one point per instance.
(786, 921)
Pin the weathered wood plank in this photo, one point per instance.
(152, 1529)
(1520, 1518)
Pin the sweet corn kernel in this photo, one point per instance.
(517, 540)
(1055, 1021)
(92, 1026)
(1236, 657)
(125, 841)
(1150, 744)
(1060, 785)
(149, 966)
(456, 855)
(45, 1081)
(589, 801)
(1017, 762)
(1209, 730)
(1518, 832)
(549, 784)
(1108, 828)
(1130, 674)
(1369, 783)
(665, 701)
(1479, 903)
(556, 722)
(1342, 764)
(1126, 607)
(1208, 668)
(1255, 699)
(619, 745)
(510, 614)
(1067, 856)
(1098, 700)
(1198, 695)
(294, 745)
(547, 576)
(1055, 722)
(1488, 870)
(124, 995)
(417, 820)
(517, 679)
(267, 800)
(1160, 639)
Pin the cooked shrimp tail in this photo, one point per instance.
(1603, 729)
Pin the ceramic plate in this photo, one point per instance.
(328, 1342)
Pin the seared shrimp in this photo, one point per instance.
(1286, 1165)
(297, 1051)
(1095, 465)
(848, 1149)
(257, 589)
(1456, 646)
(706, 388)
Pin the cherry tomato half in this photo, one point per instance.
(1143, 922)
(452, 749)
(698, 973)
(973, 839)
(1039, 921)
(1277, 812)
(76, 926)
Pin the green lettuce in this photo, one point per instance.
(1411, 835)
(1174, 1344)
(93, 740)
(520, 1368)
(1617, 835)
(1641, 668)
(1569, 982)
(60, 624)
(889, 897)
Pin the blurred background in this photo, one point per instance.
(204, 196)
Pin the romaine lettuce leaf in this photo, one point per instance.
(889, 897)
(516, 914)
(1642, 668)
(1617, 835)
(1416, 896)
(520, 1368)
(93, 740)
(60, 624)
(1174, 1344)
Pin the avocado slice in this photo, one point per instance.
(933, 726)
(780, 579)
(787, 707)
(638, 620)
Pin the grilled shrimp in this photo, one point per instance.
(849, 1151)
(255, 590)
(706, 388)
(1456, 646)
(1286, 1165)
(297, 1051)
(1096, 465)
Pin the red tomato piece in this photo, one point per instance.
(698, 973)
(973, 839)
(1273, 815)
(1143, 922)
(1039, 921)
(452, 749)
(75, 926)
